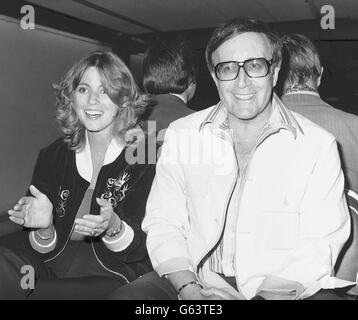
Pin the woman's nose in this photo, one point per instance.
(94, 98)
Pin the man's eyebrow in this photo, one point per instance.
(251, 58)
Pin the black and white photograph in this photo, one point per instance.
(171, 152)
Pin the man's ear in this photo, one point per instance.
(320, 77)
(276, 71)
(212, 73)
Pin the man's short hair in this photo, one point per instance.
(234, 27)
(169, 66)
(301, 59)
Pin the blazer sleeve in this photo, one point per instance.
(132, 211)
(41, 179)
(167, 218)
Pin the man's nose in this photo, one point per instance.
(242, 78)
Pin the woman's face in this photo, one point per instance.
(93, 106)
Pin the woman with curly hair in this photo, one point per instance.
(82, 213)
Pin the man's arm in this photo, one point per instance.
(167, 219)
(186, 285)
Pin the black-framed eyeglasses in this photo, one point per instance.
(254, 68)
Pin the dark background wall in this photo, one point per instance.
(30, 61)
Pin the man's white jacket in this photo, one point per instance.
(292, 217)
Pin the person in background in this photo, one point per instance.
(169, 74)
(302, 74)
(247, 201)
(85, 204)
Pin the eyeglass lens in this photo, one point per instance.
(254, 68)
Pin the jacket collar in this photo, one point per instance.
(84, 159)
(280, 118)
(313, 93)
(304, 99)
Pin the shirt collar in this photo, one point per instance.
(280, 118)
(179, 96)
(84, 159)
(217, 117)
(301, 88)
(302, 92)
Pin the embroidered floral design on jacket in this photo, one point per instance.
(116, 189)
(62, 201)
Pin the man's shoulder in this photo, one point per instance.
(311, 129)
(305, 104)
(336, 121)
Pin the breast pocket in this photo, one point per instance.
(279, 224)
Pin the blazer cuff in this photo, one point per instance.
(42, 246)
(274, 288)
(174, 265)
(122, 242)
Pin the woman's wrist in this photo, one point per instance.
(114, 222)
(115, 228)
(46, 233)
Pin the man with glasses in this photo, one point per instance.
(259, 212)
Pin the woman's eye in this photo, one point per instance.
(82, 90)
(103, 91)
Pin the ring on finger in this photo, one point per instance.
(94, 232)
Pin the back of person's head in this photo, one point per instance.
(301, 59)
(169, 66)
(237, 26)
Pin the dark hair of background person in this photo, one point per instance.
(169, 66)
(238, 26)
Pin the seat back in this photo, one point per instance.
(347, 263)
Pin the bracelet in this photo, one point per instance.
(42, 237)
(115, 232)
(189, 284)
